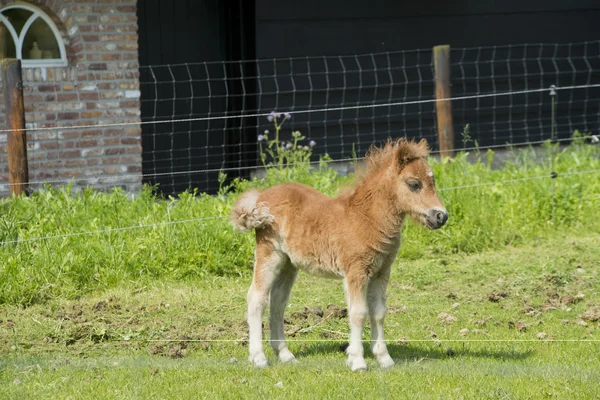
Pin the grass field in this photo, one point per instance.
(514, 323)
(107, 295)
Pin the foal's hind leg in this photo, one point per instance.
(280, 294)
(376, 298)
(267, 266)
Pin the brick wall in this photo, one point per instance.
(99, 86)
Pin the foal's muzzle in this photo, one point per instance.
(436, 218)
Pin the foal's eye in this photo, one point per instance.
(414, 186)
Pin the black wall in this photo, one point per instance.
(383, 31)
(287, 28)
(342, 53)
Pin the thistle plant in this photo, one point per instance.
(281, 154)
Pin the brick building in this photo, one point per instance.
(89, 76)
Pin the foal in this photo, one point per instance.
(354, 237)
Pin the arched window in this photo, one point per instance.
(27, 33)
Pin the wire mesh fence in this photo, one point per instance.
(197, 119)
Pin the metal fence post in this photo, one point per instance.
(18, 171)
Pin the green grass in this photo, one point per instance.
(187, 339)
(111, 295)
(488, 217)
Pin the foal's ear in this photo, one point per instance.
(407, 151)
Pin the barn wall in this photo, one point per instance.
(359, 52)
(287, 28)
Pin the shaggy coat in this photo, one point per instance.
(355, 236)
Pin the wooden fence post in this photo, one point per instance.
(441, 63)
(18, 171)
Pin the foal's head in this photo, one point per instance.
(415, 184)
(410, 180)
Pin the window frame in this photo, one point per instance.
(19, 39)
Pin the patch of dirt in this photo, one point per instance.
(542, 335)
(447, 318)
(550, 304)
(311, 317)
(557, 279)
(496, 296)
(521, 326)
(314, 312)
(100, 306)
(572, 299)
(176, 351)
(554, 301)
(592, 314)
(334, 311)
(169, 349)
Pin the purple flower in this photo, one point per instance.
(261, 138)
(288, 145)
(287, 115)
(272, 115)
(312, 143)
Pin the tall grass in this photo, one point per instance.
(56, 264)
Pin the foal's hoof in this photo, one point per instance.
(385, 361)
(286, 356)
(258, 360)
(356, 363)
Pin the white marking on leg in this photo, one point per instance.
(357, 312)
(377, 310)
(257, 302)
(280, 294)
(258, 295)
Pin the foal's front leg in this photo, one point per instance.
(356, 295)
(377, 309)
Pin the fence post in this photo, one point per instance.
(18, 171)
(441, 64)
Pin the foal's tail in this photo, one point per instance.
(247, 214)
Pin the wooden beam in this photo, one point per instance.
(18, 171)
(443, 107)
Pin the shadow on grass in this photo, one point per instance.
(418, 352)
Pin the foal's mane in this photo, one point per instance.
(395, 151)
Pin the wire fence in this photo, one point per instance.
(347, 103)
(197, 119)
(201, 119)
